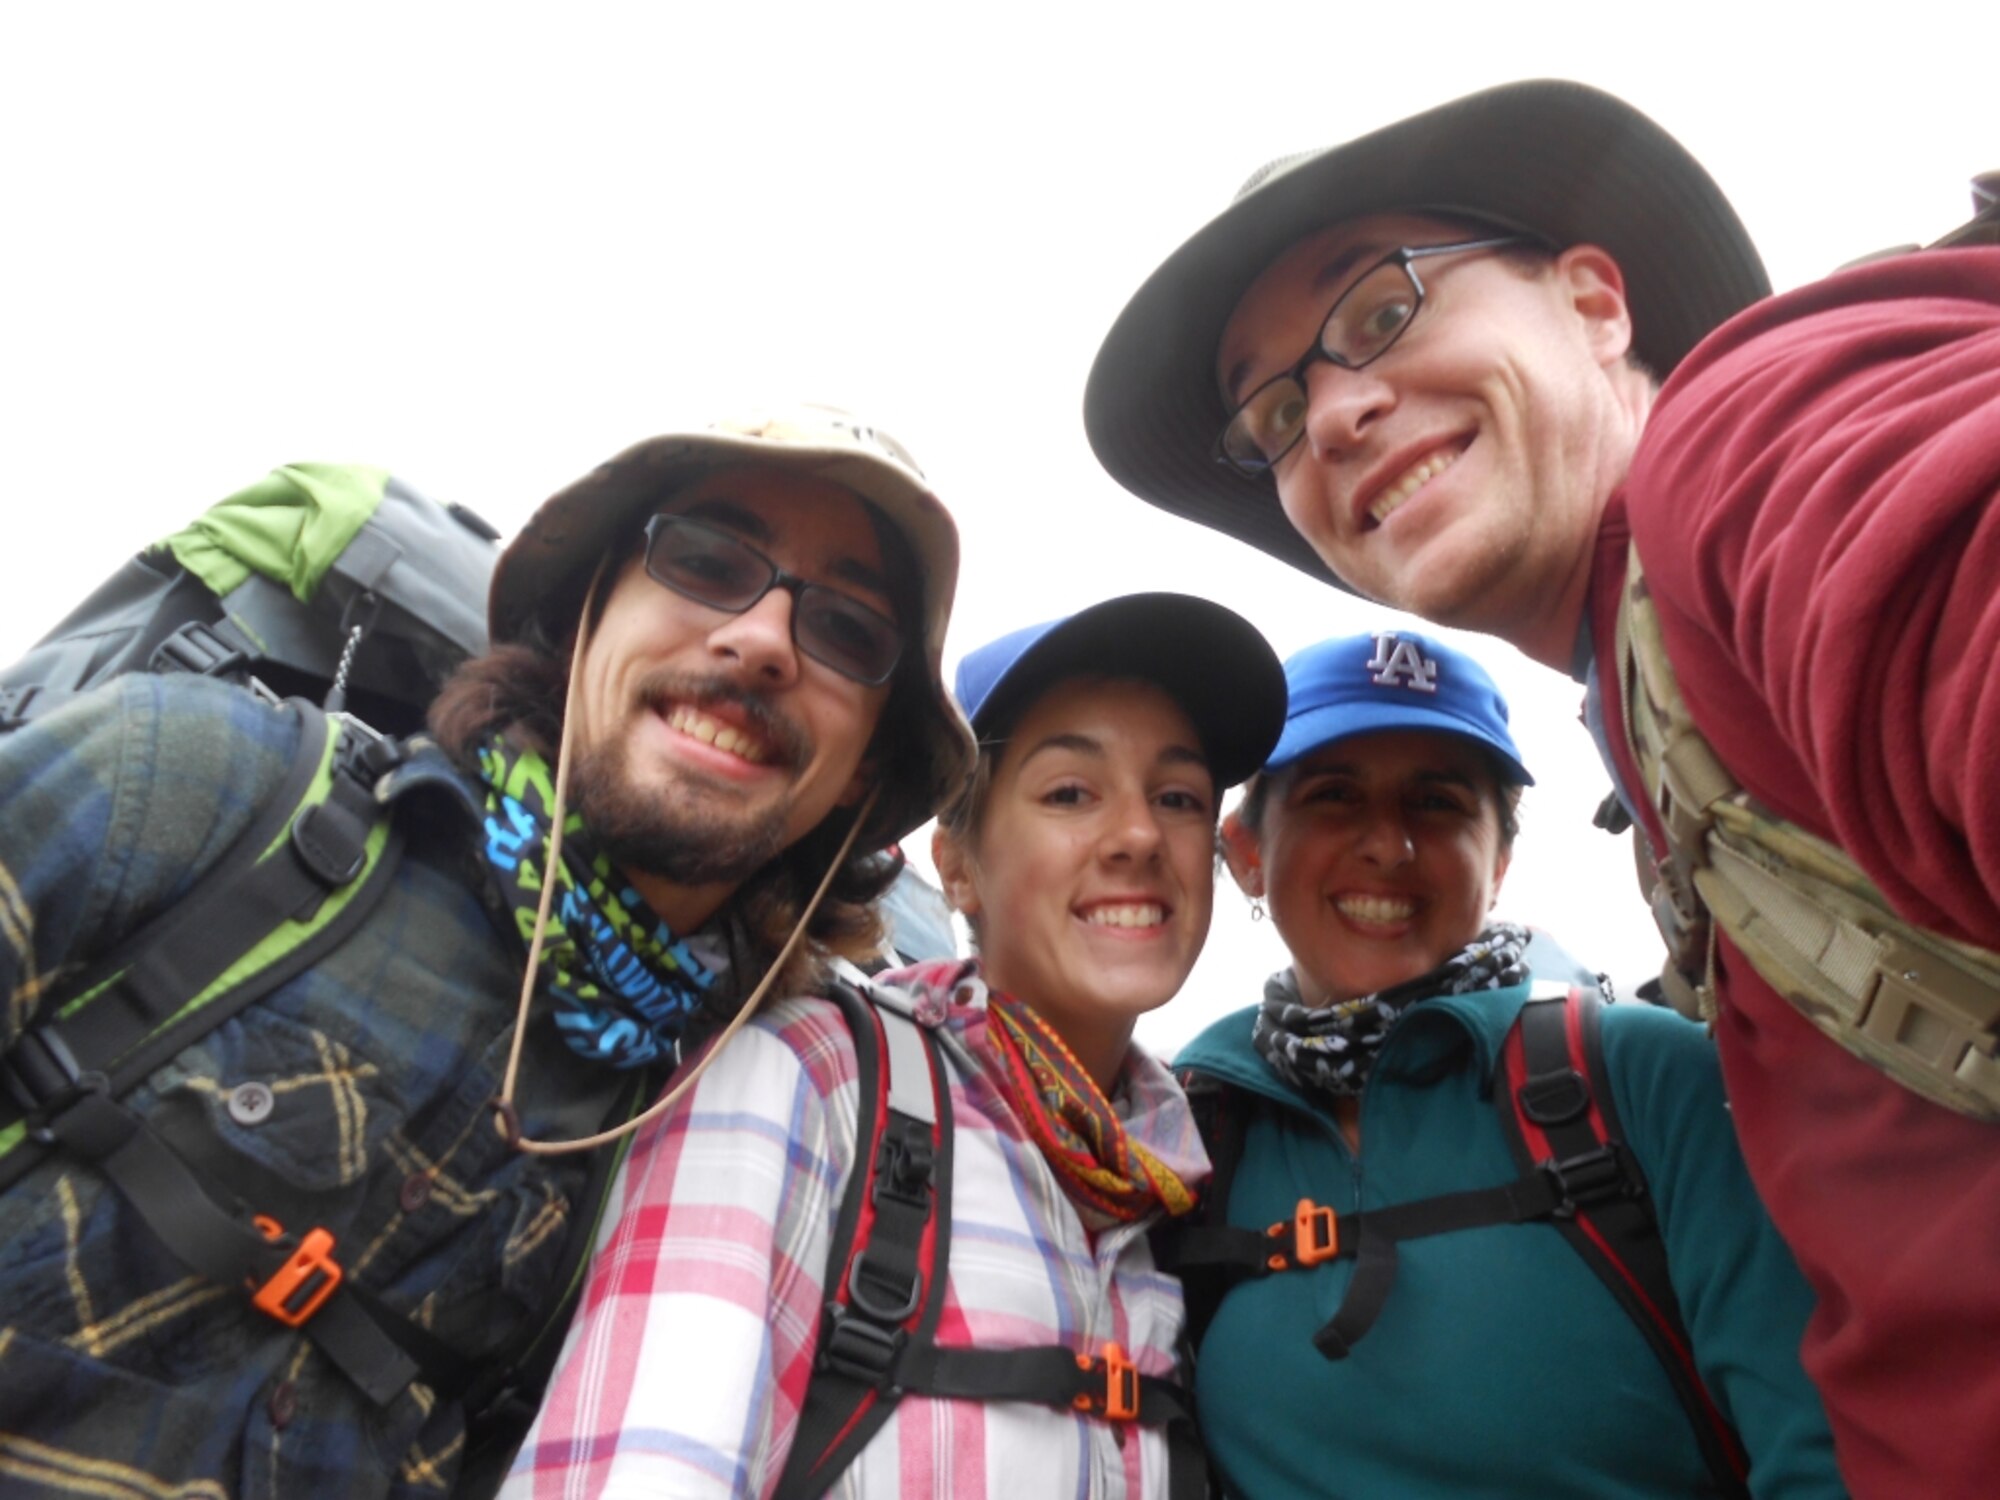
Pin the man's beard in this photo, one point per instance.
(683, 836)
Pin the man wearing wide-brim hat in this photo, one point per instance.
(1493, 362)
(712, 700)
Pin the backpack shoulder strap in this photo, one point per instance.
(884, 1276)
(1558, 1113)
(1920, 1007)
(1198, 1247)
(312, 863)
(886, 1281)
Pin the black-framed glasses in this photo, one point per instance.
(710, 566)
(1364, 322)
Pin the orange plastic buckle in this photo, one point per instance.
(1121, 1385)
(1315, 1233)
(300, 1287)
(1315, 1237)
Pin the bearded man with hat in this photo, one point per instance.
(712, 700)
(1426, 365)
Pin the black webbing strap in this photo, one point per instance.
(883, 1303)
(1554, 1190)
(1105, 1385)
(1615, 1232)
(226, 1247)
(1316, 1234)
(128, 1027)
(1101, 1385)
(64, 1077)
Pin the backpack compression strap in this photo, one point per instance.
(1918, 1006)
(886, 1272)
(1556, 1104)
(311, 864)
(310, 867)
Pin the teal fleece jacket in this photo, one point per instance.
(1500, 1365)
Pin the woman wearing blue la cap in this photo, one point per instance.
(1384, 1304)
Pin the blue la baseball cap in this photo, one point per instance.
(1210, 660)
(1391, 679)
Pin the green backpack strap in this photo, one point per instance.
(1920, 1007)
(311, 866)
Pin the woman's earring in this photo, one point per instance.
(1256, 908)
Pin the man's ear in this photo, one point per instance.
(1595, 288)
(1239, 849)
(954, 867)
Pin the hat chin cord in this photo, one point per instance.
(507, 1119)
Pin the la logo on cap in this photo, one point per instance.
(1401, 663)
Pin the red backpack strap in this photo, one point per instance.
(1559, 1115)
(885, 1272)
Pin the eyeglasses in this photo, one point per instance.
(1364, 322)
(712, 567)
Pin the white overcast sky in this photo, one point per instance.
(486, 246)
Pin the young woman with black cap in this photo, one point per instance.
(1032, 1346)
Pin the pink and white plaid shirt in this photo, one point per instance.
(684, 1372)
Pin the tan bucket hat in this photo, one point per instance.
(1559, 160)
(543, 573)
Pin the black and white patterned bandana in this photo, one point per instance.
(1332, 1049)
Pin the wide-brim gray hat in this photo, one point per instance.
(1559, 160)
(543, 573)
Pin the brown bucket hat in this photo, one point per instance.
(544, 571)
(1559, 160)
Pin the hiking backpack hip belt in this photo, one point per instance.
(1920, 1007)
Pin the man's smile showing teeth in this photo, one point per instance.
(1380, 910)
(1140, 914)
(1409, 482)
(726, 737)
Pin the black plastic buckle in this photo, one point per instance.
(196, 648)
(44, 1079)
(904, 1164)
(856, 1348)
(1594, 1177)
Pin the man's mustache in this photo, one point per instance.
(786, 744)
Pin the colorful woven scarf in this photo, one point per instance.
(1100, 1166)
(625, 988)
(1332, 1048)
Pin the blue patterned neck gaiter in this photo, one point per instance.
(625, 987)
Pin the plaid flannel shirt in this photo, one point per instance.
(122, 1373)
(685, 1371)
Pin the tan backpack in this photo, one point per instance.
(1923, 1008)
